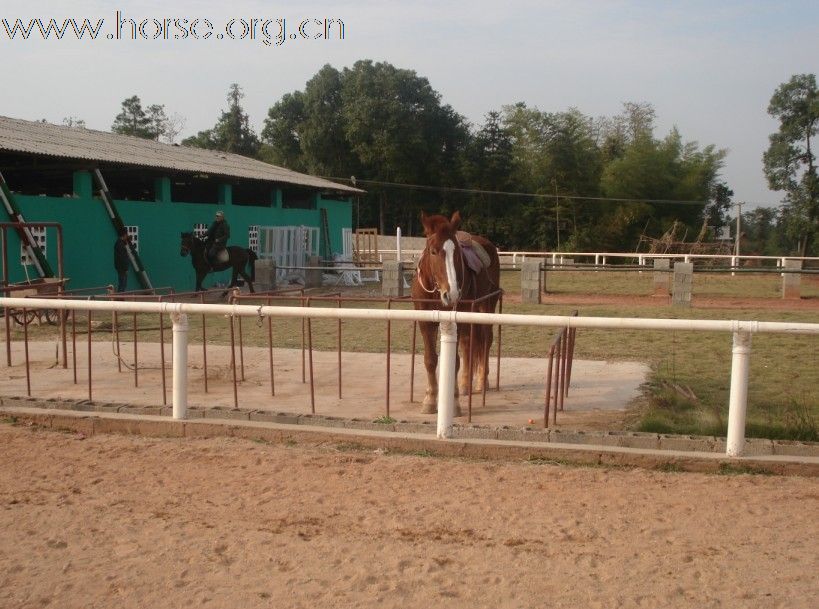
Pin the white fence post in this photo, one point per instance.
(446, 378)
(180, 365)
(738, 400)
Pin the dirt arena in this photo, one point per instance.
(116, 521)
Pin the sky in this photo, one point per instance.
(708, 67)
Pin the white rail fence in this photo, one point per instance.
(603, 258)
(741, 331)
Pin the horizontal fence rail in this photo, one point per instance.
(178, 311)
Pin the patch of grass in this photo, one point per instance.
(14, 421)
(385, 420)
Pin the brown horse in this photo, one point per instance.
(449, 275)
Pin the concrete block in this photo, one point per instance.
(524, 434)
(423, 427)
(687, 443)
(531, 282)
(140, 410)
(392, 279)
(791, 282)
(83, 425)
(662, 276)
(631, 439)
(227, 414)
(682, 284)
(795, 449)
(561, 436)
(474, 431)
(368, 425)
(312, 276)
(107, 407)
(265, 275)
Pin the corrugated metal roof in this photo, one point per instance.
(86, 144)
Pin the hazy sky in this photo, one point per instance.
(708, 67)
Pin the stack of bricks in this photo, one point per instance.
(791, 288)
(683, 280)
(392, 279)
(265, 273)
(662, 276)
(531, 282)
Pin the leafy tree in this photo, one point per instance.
(719, 204)
(282, 133)
(157, 121)
(74, 122)
(232, 132)
(133, 120)
(789, 162)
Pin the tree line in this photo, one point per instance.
(525, 177)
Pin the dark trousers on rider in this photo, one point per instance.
(122, 283)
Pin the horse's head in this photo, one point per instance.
(441, 254)
(187, 244)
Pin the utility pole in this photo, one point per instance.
(557, 214)
(739, 225)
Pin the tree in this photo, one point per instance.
(133, 120)
(789, 162)
(157, 121)
(232, 132)
(74, 122)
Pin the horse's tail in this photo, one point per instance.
(251, 260)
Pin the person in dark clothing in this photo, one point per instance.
(121, 259)
(217, 237)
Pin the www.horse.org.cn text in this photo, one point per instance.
(271, 32)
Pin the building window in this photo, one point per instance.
(133, 237)
(253, 238)
(298, 198)
(39, 234)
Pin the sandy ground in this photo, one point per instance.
(598, 396)
(115, 521)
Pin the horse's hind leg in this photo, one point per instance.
(246, 277)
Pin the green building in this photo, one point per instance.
(158, 191)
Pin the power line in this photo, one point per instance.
(528, 195)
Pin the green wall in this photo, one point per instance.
(89, 236)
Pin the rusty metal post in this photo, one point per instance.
(497, 375)
(572, 333)
(89, 355)
(548, 386)
(339, 349)
(64, 337)
(471, 368)
(74, 343)
(162, 359)
(485, 378)
(25, 343)
(241, 350)
(412, 360)
(270, 350)
(303, 366)
(389, 348)
(556, 379)
(7, 315)
(562, 360)
(310, 351)
(233, 364)
(204, 345)
(136, 360)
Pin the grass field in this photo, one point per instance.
(688, 388)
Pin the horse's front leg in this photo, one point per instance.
(199, 277)
(428, 332)
(482, 353)
(465, 367)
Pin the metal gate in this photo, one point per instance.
(289, 247)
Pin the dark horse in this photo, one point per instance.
(237, 259)
(445, 275)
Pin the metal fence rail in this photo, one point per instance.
(741, 331)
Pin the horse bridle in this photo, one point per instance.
(435, 287)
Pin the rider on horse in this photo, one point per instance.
(217, 237)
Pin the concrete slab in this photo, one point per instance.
(599, 389)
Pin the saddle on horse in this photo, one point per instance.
(474, 254)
